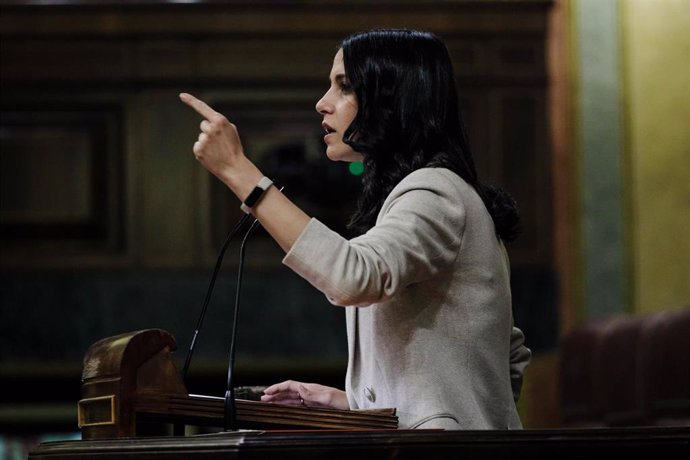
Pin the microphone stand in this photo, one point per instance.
(178, 429)
(230, 412)
(204, 307)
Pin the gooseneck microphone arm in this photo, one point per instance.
(230, 413)
(204, 307)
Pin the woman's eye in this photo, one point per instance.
(345, 87)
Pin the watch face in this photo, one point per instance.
(254, 196)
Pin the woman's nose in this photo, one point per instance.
(323, 106)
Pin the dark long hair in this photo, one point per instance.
(408, 118)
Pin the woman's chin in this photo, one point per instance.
(339, 154)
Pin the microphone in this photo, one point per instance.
(230, 412)
(212, 283)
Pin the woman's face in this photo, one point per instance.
(338, 107)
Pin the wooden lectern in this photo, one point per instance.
(132, 376)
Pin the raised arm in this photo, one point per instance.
(220, 151)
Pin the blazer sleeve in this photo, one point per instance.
(418, 233)
(520, 356)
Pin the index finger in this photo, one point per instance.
(198, 105)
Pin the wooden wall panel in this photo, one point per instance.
(62, 183)
(246, 57)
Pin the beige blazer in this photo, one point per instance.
(429, 321)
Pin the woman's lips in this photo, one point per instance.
(329, 131)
